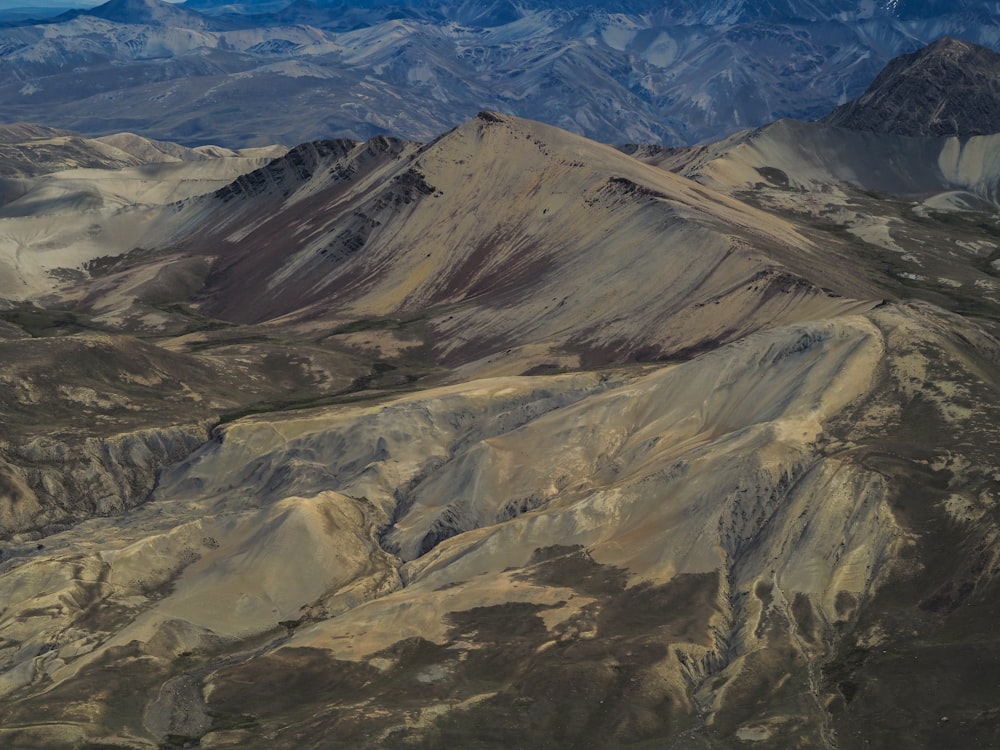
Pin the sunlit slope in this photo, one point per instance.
(767, 516)
(502, 234)
(806, 155)
(164, 226)
(749, 525)
(87, 200)
(506, 232)
(89, 419)
(913, 218)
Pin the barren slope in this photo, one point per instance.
(915, 217)
(77, 200)
(359, 486)
(650, 551)
(505, 233)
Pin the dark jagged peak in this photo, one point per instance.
(330, 161)
(491, 117)
(284, 174)
(950, 87)
(384, 144)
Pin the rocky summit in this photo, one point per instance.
(509, 438)
(949, 88)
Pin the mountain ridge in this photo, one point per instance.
(505, 439)
(948, 88)
(693, 74)
(156, 13)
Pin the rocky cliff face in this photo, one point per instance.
(949, 88)
(48, 484)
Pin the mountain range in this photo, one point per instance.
(640, 72)
(509, 438)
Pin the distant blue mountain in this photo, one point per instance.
(683, 11)
(675, 72)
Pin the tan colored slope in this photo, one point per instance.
(52, 226)
(973, 164)
(809, 156)
(522, 233)
(161, 183)
(707, 531)
(812, 155)
(906, 217)
(28, 151)
(33, 150)
(613, 442)
(653, 476)
(646, 477)
(253, 496)
(150, 151)
(618, 261)
(178, 244)
(89, 419)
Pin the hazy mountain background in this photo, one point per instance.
(255, 73)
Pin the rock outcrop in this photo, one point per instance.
(948, 88)
(48, 483)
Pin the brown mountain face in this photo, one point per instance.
(506, 440)
(950, 87)
(489, 258)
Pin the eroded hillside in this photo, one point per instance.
(509, 439)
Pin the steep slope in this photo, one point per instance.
(809, 156)
(948, 88)
(112, 196)
(915, 216)
(31, 150)
(490, 258)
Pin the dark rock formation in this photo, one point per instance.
(947, 88)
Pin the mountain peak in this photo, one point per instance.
(948, 88)
(146, 12)
(487, 115)
(951, 48)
